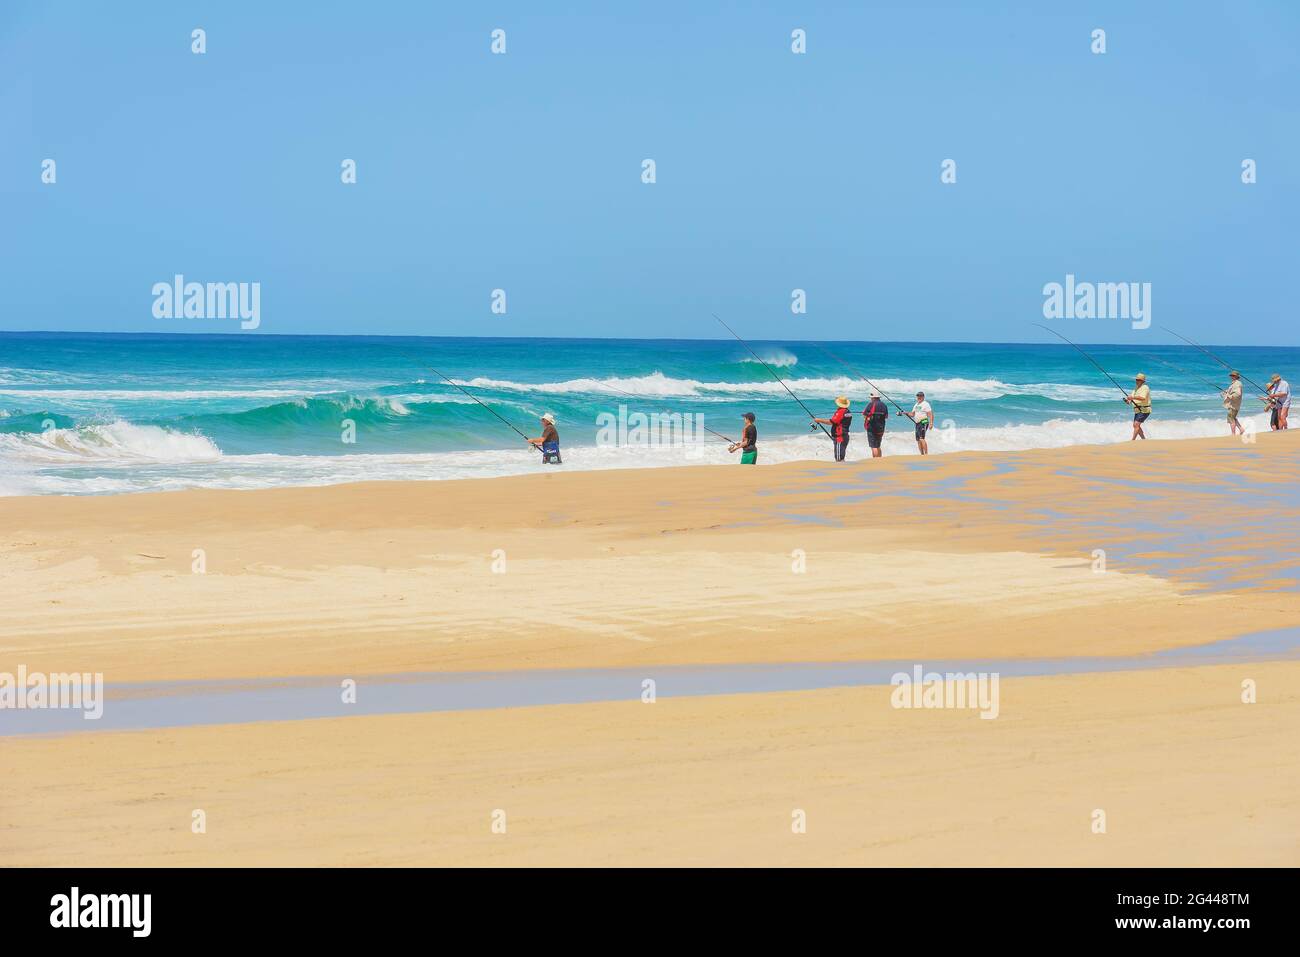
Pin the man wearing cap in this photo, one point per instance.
(1140, 399)
(874, 417)
(1279, 402)
(840, 423)
(923, 415)
(748, 444)
(1232, 402)
(549, 442)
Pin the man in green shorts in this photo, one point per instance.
(749, 444)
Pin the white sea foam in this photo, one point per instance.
(161, 459)
(950, 390)
(655, 384)
(117, 443)
(778, 360)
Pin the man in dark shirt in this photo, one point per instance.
(749, 444)
(874, 417)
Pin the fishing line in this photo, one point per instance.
(1086, 356)
(1262, 392)
(864, 379)
(424, 365)
(775, 376)
(1212, 385)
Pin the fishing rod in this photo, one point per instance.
(900, 409)
(424, 365)
(1212, 385)
(1086, 356)
(775, 376)
(1263, 392)
(704, 427)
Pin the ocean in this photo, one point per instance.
(85, 413)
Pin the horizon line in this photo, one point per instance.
(376, 335)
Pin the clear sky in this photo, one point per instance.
(775, 171)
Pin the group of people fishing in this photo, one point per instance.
(1276, 397)
(875, 414)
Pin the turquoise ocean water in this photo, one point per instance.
(97, 413)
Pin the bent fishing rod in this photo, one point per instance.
(901, 410)
(1262, 392)
(670, 412)
(1086, 356)
(775, 376)
(424, 365)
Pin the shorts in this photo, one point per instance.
(841, 446)
(1232, 415)
(1140, 416)
(749, 458)
(874, 437)
(920, 430)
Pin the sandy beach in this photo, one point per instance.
(1090, 552)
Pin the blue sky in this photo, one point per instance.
(775, 171)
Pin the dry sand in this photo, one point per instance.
(975, 555)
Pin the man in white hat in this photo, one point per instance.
(1140, 399)
(839, 423)
(1232, 403)
(549, 442)
(874, 417)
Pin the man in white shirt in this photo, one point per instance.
(1279, 402)
(923, 416)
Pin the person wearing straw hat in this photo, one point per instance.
(1279, 402)
(840, 423)
(1140, 399)
(1232, 403)
(874, 417)
(548, 442)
